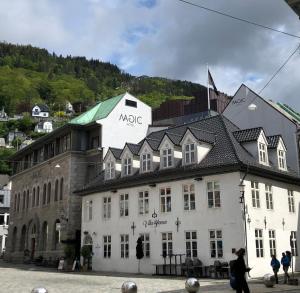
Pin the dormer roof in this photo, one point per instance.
(133, 148)
(153, 143)
(201, 135)
(115, 152)
(273, 141)
(247, 135)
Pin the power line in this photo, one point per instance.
(238, 18)
(280, 68)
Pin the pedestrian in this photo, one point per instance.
(285, 261)
(239, 270)
(275, 264)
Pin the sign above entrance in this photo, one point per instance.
(153, 223)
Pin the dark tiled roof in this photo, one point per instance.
(134, 148)
(153, 143)
(43, 108)
(116, 152)
(227, 154)
(203, 135)
(247, 135)
(273, 141)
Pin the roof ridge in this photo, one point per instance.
(247, 129)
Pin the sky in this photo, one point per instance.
(168, 38)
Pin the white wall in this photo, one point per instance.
(265, 116)
(131, 127)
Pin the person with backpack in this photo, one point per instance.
(275, 264)
(285, 261)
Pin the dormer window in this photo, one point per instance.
(190, 153)
(167, 158)
(281, 160)
(262, 150)
(110, 170)
(146, 162)
(127, 165)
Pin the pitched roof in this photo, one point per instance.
(247, 135)
(43, 107)
(116, 152)
(273, 141)
(134, 148)
(203, 135)
(98, 112)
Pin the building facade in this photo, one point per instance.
(45, 212)
(179, 189)
(40, 111)
(5, 187)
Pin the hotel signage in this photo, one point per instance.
(131, 119)
(154, 223)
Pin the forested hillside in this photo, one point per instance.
(30, 75)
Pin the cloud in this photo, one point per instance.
(167, 38)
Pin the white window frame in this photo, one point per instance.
(110, 170)
(291, 201)
(255, 194)
(89, 210)
(213, 194)
(165, 194)
(189, 153)
(269, 196)
(124, 245)
(262, 153)
(189, 198)
(106, 207)
(124, 205)
(259, 242)
(143, 202)
(106, 246)
(127, 166)
(167, 243)
(191, 244)
(281, 160)
(145, 162)
(146, 244)
(167, 157)
(216, 247)
(272, 242)
(293, 243)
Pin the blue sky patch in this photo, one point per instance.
(147, 3)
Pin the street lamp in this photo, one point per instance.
(242, 202)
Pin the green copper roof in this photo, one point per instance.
(290, 111)
(99, 111)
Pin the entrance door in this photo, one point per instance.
(32, 247)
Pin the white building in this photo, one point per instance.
(41, 111)
(4, 211)
(179, 189)
(44, 127)
(265, 114)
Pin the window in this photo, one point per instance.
(124, 246)
(123, 205)
(259, 243)
(38, 196)
(191, 244)
(255, 194)
(213, 194)
(127, 166)
(189, 197)
(146, 162)
(216, 243)
(293, 240)
(49, 193)
(146, 244)
(167, 158)
(2, 220)
(291, 201)
(33, 197)
(143, 202)
(106, 207)
(44, 194)
(110, 170)
(61, 189)
(165, 200)
(262, 153)
(89, 210)
(27, 199)
(167, 244)
(107, 246)
(281, 159)
(272, 242)
(189, 153)
(269, 197)
(131, 103)
(1, 199)
(56, 190)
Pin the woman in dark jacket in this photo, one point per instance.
(239, 270)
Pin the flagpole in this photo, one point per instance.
(208, 95)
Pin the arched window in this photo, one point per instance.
(61, 188)
(44, 236)
(14, 240)
(56, 234)
(15, 202)
(44, 193)
(49, 193)
(38, 196)
(23, 239)
(27, 199)
(33, 197)
(24, 200)
(56, 190)
(18, 203)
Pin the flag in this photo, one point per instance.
(211, 82)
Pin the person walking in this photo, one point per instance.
(285, 261)
(275, 264)
(239, 269)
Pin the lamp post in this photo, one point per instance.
(242, 202)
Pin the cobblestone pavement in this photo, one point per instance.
(22, 278)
